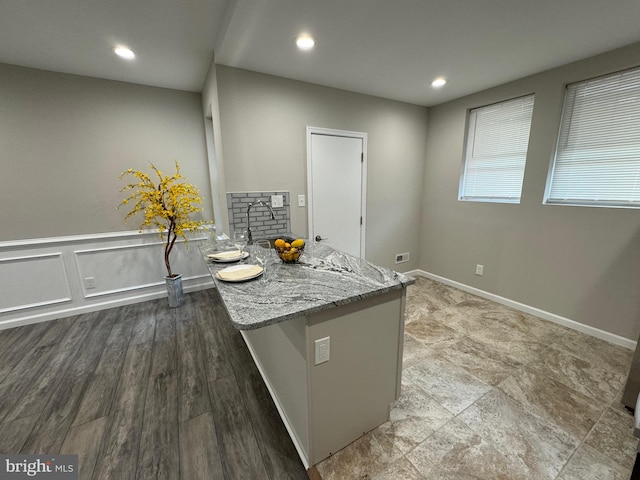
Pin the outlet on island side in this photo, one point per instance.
(479, 270)
(322, 350)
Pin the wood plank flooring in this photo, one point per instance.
(143, 391)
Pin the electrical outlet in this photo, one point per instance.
(89, 283)
(277, 201)
(479, 270)
(402, 257)
(322, 350)
(301, 201)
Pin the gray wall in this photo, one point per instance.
(582, 263)
(64, 139)
(263, 128)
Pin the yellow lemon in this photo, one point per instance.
(298, 243)
(280, 243)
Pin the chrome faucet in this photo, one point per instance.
(264, 204)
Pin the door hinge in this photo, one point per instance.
(362, 157)
(360, 220)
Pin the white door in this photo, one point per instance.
(336, 183)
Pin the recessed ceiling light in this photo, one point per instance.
(124, 52)
(439, 82)
(305, 42)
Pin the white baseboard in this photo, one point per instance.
(552, 317)
(49, 278)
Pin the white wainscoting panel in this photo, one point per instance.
(33, 281)
(126, 267)
(47, 278)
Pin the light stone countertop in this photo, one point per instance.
(323, 278)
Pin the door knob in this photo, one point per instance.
(319, 238)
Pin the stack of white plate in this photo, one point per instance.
(228, 256)
(239, 273)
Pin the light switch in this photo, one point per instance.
(301, 201)
(277, 201)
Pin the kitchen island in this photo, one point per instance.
(328, 305)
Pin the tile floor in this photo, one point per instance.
(492, 393)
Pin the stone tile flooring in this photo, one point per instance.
(493, 393)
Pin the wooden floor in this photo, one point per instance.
(143, 391)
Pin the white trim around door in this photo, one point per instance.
(338, 133)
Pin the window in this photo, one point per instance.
(496, 151)
(597, 159)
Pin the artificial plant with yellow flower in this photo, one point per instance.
(166, 205)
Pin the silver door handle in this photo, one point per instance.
(319, 238)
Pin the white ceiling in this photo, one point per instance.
(391, 49)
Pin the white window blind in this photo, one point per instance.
(597, 159)
(496, 151)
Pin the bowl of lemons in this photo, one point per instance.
(289, 252)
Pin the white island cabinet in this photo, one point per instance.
(333, 305)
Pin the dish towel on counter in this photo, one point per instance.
(225, 255)
(240, 274)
